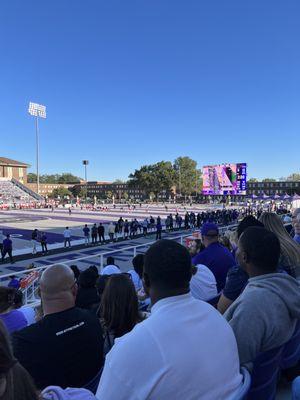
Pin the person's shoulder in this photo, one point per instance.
(31, 333)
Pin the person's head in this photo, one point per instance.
(18, 299)
(246, 222)
(67, 227)
(100, 224)
(138, 264)
(258, 251)
(289, 248)
(196, 246)
(87, 279)
(76, 271)
(58, 289)
(224, 240)
(110, 261)
(7, 236)
(15, 382)
(7, 296)
(209, 233)
(295, 214)
(167, 270)
(119, 305)
(85, 225)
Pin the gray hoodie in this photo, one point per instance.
(264, 316)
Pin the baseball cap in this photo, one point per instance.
(209, 229)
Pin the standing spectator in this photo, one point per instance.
(101, 233)
(158, 229)
(7, 248)
(94, 234)
(34, 240)
(44, 243)
(28, 312)
(111, 231)
(126, 229)
(2, 237)
(266, 313)
(215, 256)
(67, 237)
(65, 348)
(118, 309)
(145, 226)
(86, 233)
(13, 319)
(184, 342)
(116, 230)
(76, 271)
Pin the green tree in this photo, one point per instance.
(67, 177)
(31, 177)
(293, 177)
(269, 180)
(118, 181)
(60, 192)
(109, 194)
(125, 195)
(252, 180)
(188, 177)
(154, 178)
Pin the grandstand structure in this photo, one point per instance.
(14, 193)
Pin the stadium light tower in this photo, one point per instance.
(85, 163)
(37, 111)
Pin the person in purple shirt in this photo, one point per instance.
(215, 256)
(14, 320)
(7, 248)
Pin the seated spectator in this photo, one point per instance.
(237, 278)
(215, 256)
(87, 295)
(29, 312)
(64, 348)
(118, 309)
(290, 250)
(137, 271)
(15, 382)
(12, 319)
(195, 247)
(110, 267)
(265, 315)
(76, 271)
(224, 240)
(184, 350)
(296, 224)
(14, 282)
(203, 284)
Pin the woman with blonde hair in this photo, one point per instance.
(290, 250)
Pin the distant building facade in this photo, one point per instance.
(118, 190)
(272, 188)
(47, 188)
(13, 169)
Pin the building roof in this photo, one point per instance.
(13, 163)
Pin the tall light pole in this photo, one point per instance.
(38, 111)
(85, 163)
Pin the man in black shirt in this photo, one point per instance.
(101, 233)
(65, 348)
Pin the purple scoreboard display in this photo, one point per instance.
(225, 179)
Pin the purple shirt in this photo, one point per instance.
(7, 244)
(14, 320)
(218, 259)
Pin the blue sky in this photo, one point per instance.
(133, 82)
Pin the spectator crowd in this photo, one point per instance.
(183, 323)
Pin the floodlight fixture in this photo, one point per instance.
(37, 110)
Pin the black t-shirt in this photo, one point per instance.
(87, 298)
(63, 349)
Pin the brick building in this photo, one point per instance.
(272, 188)
(13, 169)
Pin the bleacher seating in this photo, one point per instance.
(12, 192)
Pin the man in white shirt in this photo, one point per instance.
(203, 284)
(67, 237)
(184, 350)
(110, 268)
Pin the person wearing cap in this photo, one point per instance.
(215, 256)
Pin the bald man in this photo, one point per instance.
(65, 348)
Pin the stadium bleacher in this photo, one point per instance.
(13, 192)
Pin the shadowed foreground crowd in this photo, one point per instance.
(182, 324)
